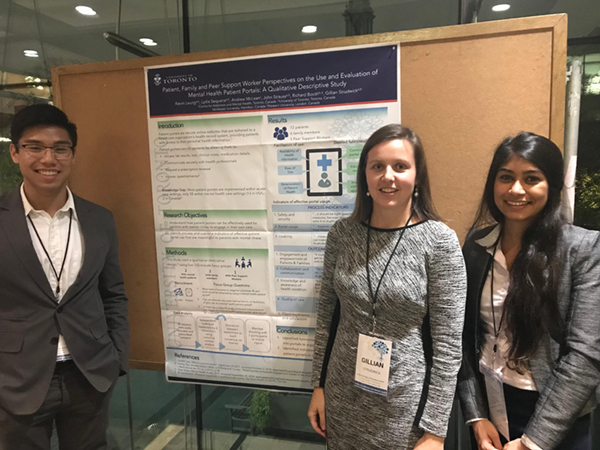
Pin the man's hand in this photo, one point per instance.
(487, 436)
(316, 412)
(430, 442)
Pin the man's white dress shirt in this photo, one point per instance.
(54, 232)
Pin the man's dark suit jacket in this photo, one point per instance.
(92, 315)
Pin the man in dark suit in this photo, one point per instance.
(64, 336)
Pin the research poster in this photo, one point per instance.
(253, 160)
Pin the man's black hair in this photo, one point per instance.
(36, 115)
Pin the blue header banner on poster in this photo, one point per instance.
(305, 80)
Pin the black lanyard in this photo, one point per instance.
(374, 296)
(59, 274)
(496, 330)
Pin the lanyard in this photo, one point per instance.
(57, 274)
(374, 296)
(496, 330)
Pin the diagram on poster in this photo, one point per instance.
(253, 160)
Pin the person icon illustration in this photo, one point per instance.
(237, 263)
(324, 182)
(243, 265)
(249, 263)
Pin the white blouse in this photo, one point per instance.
(497, 362)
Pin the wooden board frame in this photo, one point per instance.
(463, 89)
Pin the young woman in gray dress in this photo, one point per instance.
(393, 280)
(532, 330)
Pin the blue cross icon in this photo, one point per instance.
(324, 162)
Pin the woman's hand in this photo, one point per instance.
(430, 442)
(316, 412)
(515, 445)
(487, 436)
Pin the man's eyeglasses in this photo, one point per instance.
(60, 152)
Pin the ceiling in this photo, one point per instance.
(61, 35)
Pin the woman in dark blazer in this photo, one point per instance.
(531, 343)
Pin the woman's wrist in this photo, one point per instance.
(529, 443)
(433, 437)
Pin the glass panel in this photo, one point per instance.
(583, 14)
(591, 68)
(587, 182)
(594, 57)
(587, 193)
(245, 417)
(61, 35)
(10, 177)
(10, 103)
(159, 409)
(220, 24)
(163, 415)
(119, 433)
(154, 20)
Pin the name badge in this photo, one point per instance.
(496, 402)
(373, 364)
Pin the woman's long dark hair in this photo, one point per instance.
(421, 205)
(531, 304)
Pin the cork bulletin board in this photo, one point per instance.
(463, 89)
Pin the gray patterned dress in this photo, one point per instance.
(426, 273)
